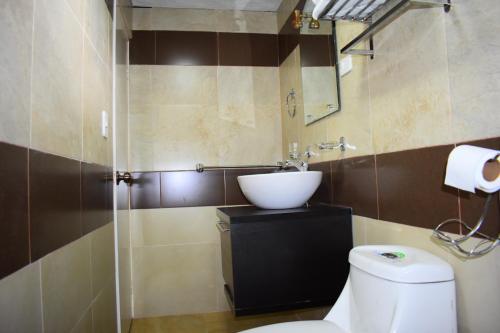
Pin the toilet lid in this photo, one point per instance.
(307, 326)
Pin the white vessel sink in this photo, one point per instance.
(280, 190)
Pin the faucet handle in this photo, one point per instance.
(309, 152)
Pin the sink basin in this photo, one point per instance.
(280, 190)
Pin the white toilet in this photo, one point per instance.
(390, 289)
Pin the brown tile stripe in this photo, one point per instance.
(186, 48)
(409, 189)
(191, 188)
(97, 196)
(145, 190)
(203, 48)
(55, 210)
(315, 51)
(14, 228)
(142, 48)
(354, 185)
(245, 49)
(325, 190)
(47, 201)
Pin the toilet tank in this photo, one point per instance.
(400, 289)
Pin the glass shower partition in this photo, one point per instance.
(121, 209)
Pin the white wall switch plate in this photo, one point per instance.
(104, 124)
(345, 65)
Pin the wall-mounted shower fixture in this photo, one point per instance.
(299, 17)
(341, 144)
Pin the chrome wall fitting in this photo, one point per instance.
(200, 167)
(126, 177)
(341, 144)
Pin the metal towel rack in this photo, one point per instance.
(377, 17)
(200, 167)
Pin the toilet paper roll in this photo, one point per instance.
(465, 169)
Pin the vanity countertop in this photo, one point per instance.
(242, 214)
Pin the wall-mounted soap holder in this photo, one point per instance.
(341, 144)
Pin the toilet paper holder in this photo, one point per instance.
(485, 245)
(461, 161)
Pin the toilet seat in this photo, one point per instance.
(308, 326)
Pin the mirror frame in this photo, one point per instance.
(335, 49)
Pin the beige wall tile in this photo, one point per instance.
(244, 92)
(409, 86)
(142, 18)
(249, 116)
(98, 26)
(21, 301)
(125, 269)
(477, 283)
(102, 257)
(141, 85)
(185, 135)
(125, 288)
(235, 89)
(246, 21)
(66, 285)
(16, 25)
(96, 98)
(473, 51)
(184, 85)
(266, 82)
(57, 78)
(85, 323)
(104, 309)
(179, 279)
(183, 19)
(172, 226)
(257, 144)
(359, 230)
(142, 136)
(78, 8)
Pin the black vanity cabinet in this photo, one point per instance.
(276, 260)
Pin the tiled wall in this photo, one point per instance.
(405, 110)
(203, 89)
(56, 242)
(210, 97)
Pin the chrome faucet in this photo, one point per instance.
(297, 163)
(295, 158)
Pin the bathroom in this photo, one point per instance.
(124, 126)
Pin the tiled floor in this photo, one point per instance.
(220, 322)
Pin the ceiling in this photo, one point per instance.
(252, 5)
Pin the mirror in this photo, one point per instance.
(319, 67)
